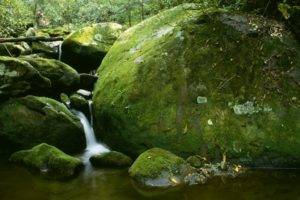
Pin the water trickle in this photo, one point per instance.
(59, 51)
(92, 146)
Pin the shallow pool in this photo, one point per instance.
(107, 184)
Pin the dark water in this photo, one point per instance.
(18, 184)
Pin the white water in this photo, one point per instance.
(59, 51)
(92, 146)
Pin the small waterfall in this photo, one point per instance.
(59, 51)
(92, 146)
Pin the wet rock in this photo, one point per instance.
(18, 77)
(197, 81)
(63, 77)
(79, 103)
(196, 161)
(111, 159)
(85, 93)
(48, 161)
(28, 121)
(85, 48)
(87, 81)
(160, 168)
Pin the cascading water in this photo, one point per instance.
(59, 51)
(92, 146)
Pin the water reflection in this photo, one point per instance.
(107, 184)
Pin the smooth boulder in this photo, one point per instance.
(48, 161)
(18, 77)
(84, 49)
(111, 159)
(29, 121)
(160, 168)
(203, 82)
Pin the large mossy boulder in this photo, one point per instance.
(49, 161)
(202, 82)
(18, 77)
(28, 121)
(111, 159)
(85, 48)
(160, 168)
(63, 77)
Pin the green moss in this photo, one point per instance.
(85, 48)
(18, 77)
(28, 121)
(153, 162)
(111, 159)
(49, 161)
(153, 76)
(63, 77)
(10, 49)
(80, 103)
(160, 168)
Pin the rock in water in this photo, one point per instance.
(20, 78)
(203, 82)
(63, 77)
(28, 121)
(78, 102)
(111, 159)
(49, 161)
(160, 168)
(85, 48)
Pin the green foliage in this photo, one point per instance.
(14, 17)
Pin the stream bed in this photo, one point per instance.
(107, 184)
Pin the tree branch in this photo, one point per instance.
(31, 39)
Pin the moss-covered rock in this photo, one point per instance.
(196, 161)
(18, 77)
(160, 168)
(49, 161)
(111, 159)
(10, 49)
(292, 15)
(78, 102)
(28, 121)
(85, 48)
(63, 77)
(202, 82)
(88, 81)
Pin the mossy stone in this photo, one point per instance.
(84, 49)
(10, 49)
(49, 161)
(196, 161)
(28, 121)
(18, 77)
(111, 159)
(160, 168)
(202, 82)
(78, 102)
(63, 77)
